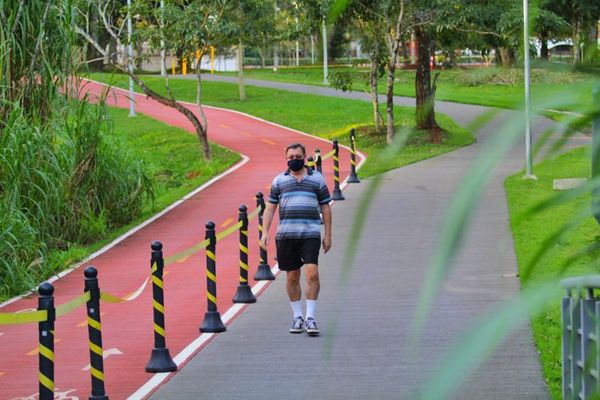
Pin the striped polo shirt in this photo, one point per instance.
(299, 204)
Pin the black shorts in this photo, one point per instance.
(293, 253)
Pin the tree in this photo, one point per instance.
(186, 25)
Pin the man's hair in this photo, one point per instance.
(296, 146)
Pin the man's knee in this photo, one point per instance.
(312, 273)
(293, 277)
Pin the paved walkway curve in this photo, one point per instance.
(363, 352)
(127, 328)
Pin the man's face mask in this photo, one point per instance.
(295, 164)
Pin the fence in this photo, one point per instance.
(580, 333)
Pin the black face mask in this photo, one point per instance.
(296, 165)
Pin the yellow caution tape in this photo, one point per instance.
(186, 253)
(328, 155)
(23, 318)
(72, 304)
(253, 214)
(229, 231)
(109, 298)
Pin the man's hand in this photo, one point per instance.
(326, 244)
(263, 242)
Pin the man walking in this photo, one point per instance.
(300, 193)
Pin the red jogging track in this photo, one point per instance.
(127, 328)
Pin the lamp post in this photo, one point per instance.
(130, 61)
(325, 72)
(528, 160)
(163, 65)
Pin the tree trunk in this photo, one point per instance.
(179, 107)
(261, 54)
(240, 53)
(544, 53)
(389, 98)
(374, 96)
(506, 57)
(425, 90)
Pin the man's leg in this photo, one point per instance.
(312, 294)
(295, 293)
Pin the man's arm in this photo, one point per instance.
(326, 210)
(267, 220)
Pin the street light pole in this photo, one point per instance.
(325, 72)
(130, 61)
(528, 159)
(163, 62)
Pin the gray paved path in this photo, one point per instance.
(363, 350)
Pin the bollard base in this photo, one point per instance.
(337, 195)
(212, 323)
(98, 397)
(244, 295)
(353, 178)
(161, 361)
(263, 273)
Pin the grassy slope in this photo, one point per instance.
(460, 85)
(172, 161)
(530, 234)
(323, 116)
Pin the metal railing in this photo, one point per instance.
(580, 333)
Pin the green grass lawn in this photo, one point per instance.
(322, 116)
(530, 234)
(172, 161)
(494, 87)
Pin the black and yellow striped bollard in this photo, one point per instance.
(95, 334)
(353, 178)
(318, 161)
(160, 358)
(310, 162)
(263, 273)
(46, 341)
(212, 322)
(337, 192)
(244, 292)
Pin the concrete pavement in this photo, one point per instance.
(363, 351)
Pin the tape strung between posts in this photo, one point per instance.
(23, 318)
(328, 155)
(72, 304)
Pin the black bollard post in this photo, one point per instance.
(46, 342)
(160, 358)
(310, 162)
(244, 292)
(337, 193)
(318, 161)
(263, 273)
(95, 334)
(353, 178)
(212, 319)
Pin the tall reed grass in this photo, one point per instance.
(64, 178)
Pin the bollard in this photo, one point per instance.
(184, 66)
(95, 334)
(353, 178)
(310, 163)
(263, 273)
(337, 193)
(212, 319)
(160, 358)
(244, 292)
(318, 161)
(46, 342)
(173, 67)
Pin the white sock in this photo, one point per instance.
(297, 308)
(311, 306)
